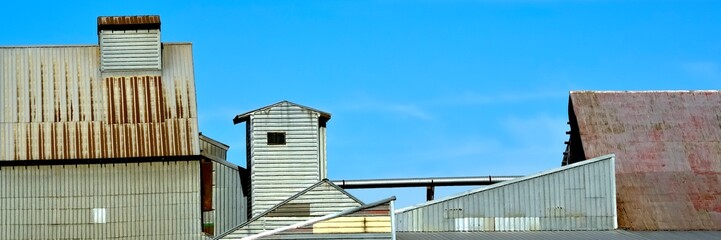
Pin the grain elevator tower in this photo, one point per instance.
(285, 152)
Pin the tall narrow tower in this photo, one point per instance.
(285, 152)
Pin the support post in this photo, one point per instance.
(430, 192)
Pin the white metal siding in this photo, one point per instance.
(280, 171)
(212, 149)
(130, 50)
(581, 196)
(159, 200)
(228, 201)
(324, 199)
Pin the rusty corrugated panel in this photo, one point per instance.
(668, 148)
(128, 22)
(57, 105)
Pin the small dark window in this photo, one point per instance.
(276, 138)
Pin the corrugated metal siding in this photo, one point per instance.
(280, 171)
(213, 149)
(668, 145)
(559, 235)
(337, 236)
(371, 223)
(57, 105)
(228, 200)
(158, 200)
(130, 50)
(321, 199)
(575, 197)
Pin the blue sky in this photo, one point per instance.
(416, 88)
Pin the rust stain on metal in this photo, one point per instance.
(128, 20)
(66, 108)
(668, 149)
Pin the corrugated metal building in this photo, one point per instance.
(319, 200)
(369, 221)
(575, 197)
(289, 195)
(564, 235)
(286, 151)
(228, 204)
(58, 104)
(668, 148)
(101, 141)
(149, 200)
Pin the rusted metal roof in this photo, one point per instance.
(128, 22)
(668, 149)
(57, 105)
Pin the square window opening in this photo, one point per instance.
(276, 138)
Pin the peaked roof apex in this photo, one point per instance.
(245, 116)
(291, 198)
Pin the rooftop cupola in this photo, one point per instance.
(129, 43)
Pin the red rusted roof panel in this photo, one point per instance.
(128, 22)
(668, 149)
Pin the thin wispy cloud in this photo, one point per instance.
(703, 69)
(536, 129)
(400, 109)
(407, 110)
(473, 98)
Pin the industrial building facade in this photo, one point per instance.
(101, 141)
(290, 197)
(580, 196)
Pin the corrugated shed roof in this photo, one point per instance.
(502, 184)
(557, 235)
(244, 116)
(128, 22)
(580, 196)
(668, 149)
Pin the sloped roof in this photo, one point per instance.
(245, 116)
(368, 221)
(297, 195)
(668, 149)
(580, 196)
(502, 184)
